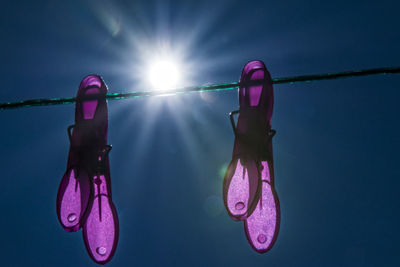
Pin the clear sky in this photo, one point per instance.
(336, 148)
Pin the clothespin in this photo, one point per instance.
(248, 189)
(84, 195)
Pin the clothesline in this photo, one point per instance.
(212, 87)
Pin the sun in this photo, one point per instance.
(164, 74)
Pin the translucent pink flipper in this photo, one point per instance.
(262, 226)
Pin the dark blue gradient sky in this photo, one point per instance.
(336, 149)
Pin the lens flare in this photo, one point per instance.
(164, 75)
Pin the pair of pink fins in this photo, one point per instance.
(248, 190)
(84, 195)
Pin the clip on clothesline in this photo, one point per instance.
(212, 87)
(84, 199)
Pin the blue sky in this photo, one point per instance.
(335, 151)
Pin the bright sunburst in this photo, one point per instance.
(164, 74)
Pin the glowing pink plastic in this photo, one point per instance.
(262, 226)
(248, 188)
(84, 196)
(72, 199)
(99, 231)
(240, 188)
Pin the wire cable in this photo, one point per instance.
(209, 88)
